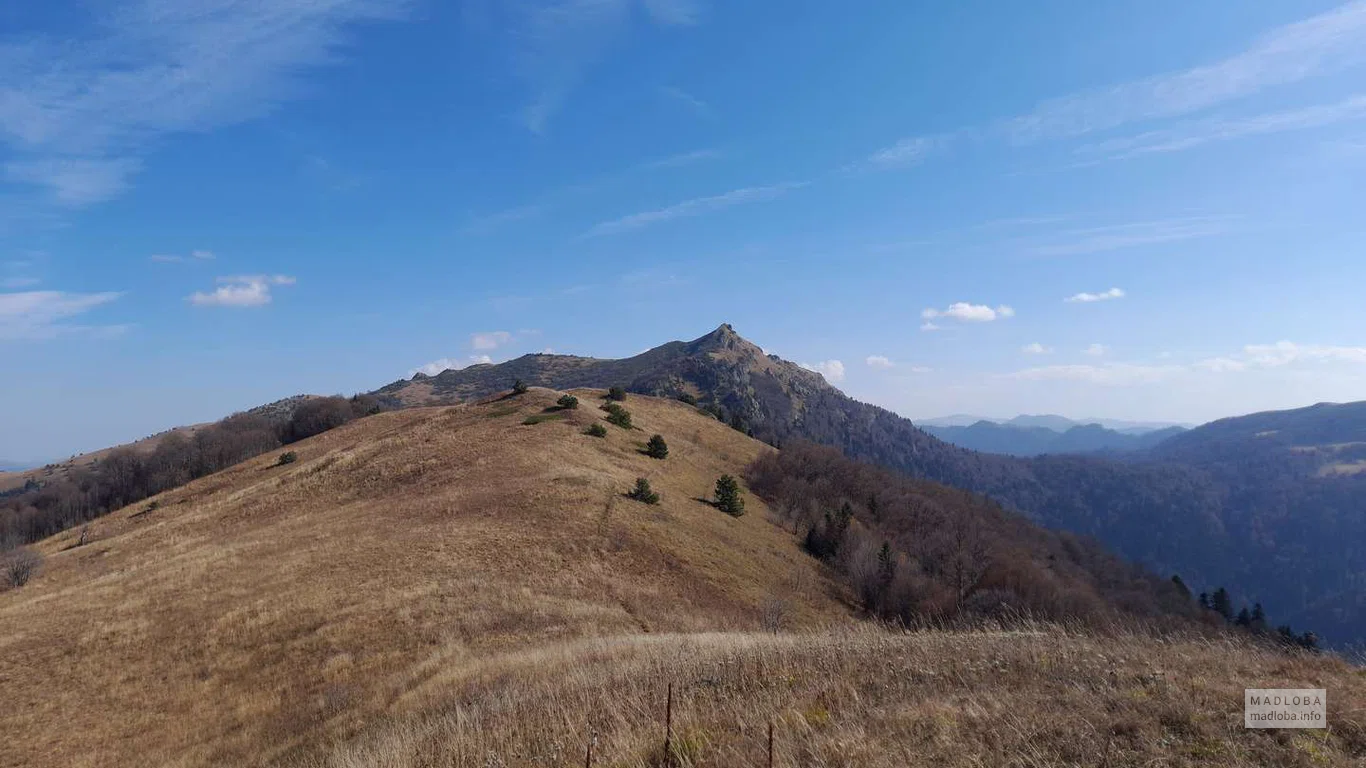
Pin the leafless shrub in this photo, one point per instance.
(773, 614)
(20, 565)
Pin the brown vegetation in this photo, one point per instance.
(867, 698)
(266, 610)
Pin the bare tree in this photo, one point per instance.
(20, 565)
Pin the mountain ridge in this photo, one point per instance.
(1173, 516)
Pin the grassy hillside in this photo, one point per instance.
(267, 608)
(867, 698)
(468, 586)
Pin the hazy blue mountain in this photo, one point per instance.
(990, 437)
(1052, 422)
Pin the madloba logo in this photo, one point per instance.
(1285, 708)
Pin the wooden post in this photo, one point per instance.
(770, 744)
(669, 726)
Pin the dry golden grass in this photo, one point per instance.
(266, 609)
(453, 587)
(865, 697)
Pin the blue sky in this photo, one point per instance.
(1145, 210)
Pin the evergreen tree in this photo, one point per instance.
(1204, 600)
(656, 448)
(886, 566)
(616, 393)
(1244, 618)
(1222, 603)
(643, 492)
(1181, 585)
(1258, 618)
(568, 402)
(519, 387)
(728, 497)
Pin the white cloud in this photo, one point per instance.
(920, 369)
(1088, 298)
(1096, 350)
(1109, 374)
(1284, 353)
(696, 105)
(683, 159)
(1201, 132)
(241, 291)
(166, 258)
(79, 113)
(447, 364)
(880, 362)
(929, 327)
(1320, 45)
(694, 207)
(18, 282)
(1119, 236)
(905, 153)
(832, 370)
(1036, 349)
(490, 340)
(968, 313)
(39, 314)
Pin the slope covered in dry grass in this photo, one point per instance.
(467, 586)
(267, 608)
(870, 698)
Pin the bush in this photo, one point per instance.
(618, 415)
(597, 430)
(519, 387)
(616, 393)
(643, 493)
(656, 448)
(568, 402)
(19, 566)
(288, 457)
(687, 398)
(728, 498)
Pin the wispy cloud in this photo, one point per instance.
(905, 153)
(483, 225)
(490, 340)
(832, 370)
(41, 314)
(1282, 354)
(1133, 235)
(1250, 359)
(1202, 132)
(1091, 298)
(556, 42)
(880, 362)
(447, 364)
(1036, 349)
(694, 104)
(79, 114)
(1320, 45)
(1096, 350)
(683, 159)
(168, 258)
(694, 207)
(241, 291)
(968, 313)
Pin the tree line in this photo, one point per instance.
(128, 475)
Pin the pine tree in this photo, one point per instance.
(1181, 585)
(1204, 600)
(1258, 618)
(1222, 603)
(568, 402)
(728, 497)
(519, 387)
(886, 567)
(643, 492)
(616, 393)
(656, 448)
(1244, 618)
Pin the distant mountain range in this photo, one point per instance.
(1243, 504)
(1012, 440)
(1052, 422)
